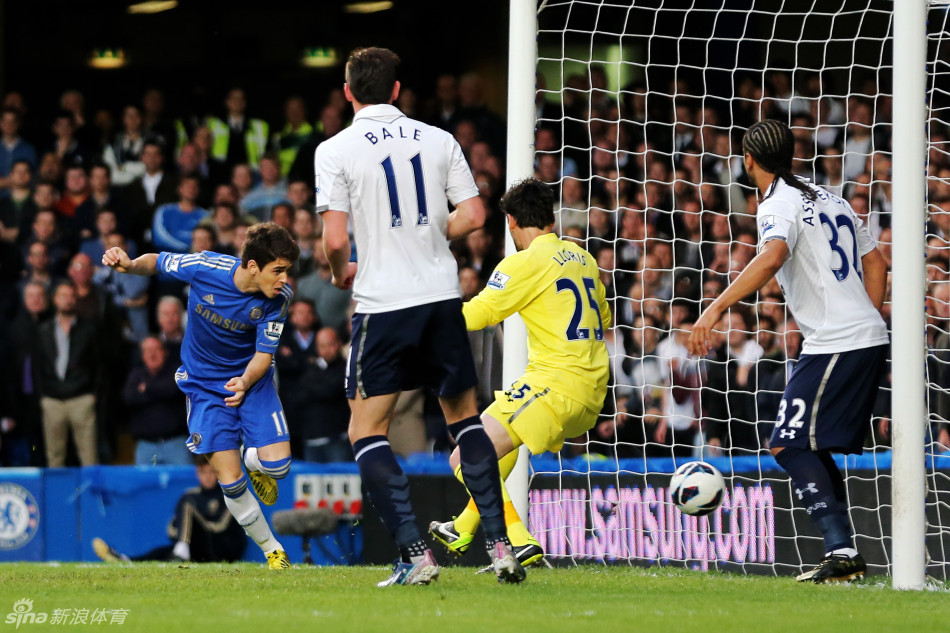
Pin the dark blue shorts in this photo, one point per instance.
(421, 346)
(828, 401)
(214, 426)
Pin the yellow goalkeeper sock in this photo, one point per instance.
(469, 519)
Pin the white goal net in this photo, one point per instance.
(641, 110)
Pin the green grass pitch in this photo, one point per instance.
(162, 597)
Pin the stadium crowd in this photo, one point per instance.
(651, 182)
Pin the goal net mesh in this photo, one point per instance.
(641, 110)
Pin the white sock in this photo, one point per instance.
(247, 512)
(251, 460)
(850, 552)
(182, 550)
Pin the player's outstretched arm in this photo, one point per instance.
(875, 276)
(119, 260)
(468, 216)
(762, 268)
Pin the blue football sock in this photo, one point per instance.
(388, 489)
(815, 488)
(480, 471)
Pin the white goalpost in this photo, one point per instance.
(633, 110)
(909, 275)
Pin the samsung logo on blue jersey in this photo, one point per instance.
(216, 319)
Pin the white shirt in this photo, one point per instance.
(395, 176)
(822, 279)
(150, 183)
(679, 415)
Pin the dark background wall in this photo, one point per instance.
(197, 50)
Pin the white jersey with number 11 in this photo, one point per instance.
(395, 176)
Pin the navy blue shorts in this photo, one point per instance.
(828, 401)
(421, 346)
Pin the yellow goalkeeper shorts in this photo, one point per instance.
(541, 418)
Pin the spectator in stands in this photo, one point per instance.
(191, 163)
(154, 188)
(170, 314)
(17, 207)
(327, 410)
(271, 190)
(938, 361)
(23, 439)
(639, 381)
(129, 295)
(73, 102)
(202, 529)
(442, 110)
(101, 196)
(106, 227)
(173, 223)
(331, 303)
(282, 214)
(37, 268)
(223, 220)
(156, 126)
(727, 398)
(296, 133)
(12, 148)
(66, 147)
(831, 176)
(237, 139)
(479, 254)
(857, 139)
(68, 368)
(203, 239)
(46, 230)
(679, 426)
(296, 352)
(308, 241)
(242, 181)
(156, 408)
(572, 208)
(486, 344)
(767, 377)
(76, 192)
(298, 195)
(124, 155)
(92, 300)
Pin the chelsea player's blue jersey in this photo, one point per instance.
(225, 326)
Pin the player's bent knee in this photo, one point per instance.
(277, 469)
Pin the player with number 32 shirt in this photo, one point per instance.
(834, 281)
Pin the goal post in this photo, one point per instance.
(522, 65)
(640, 106)
(909, 279)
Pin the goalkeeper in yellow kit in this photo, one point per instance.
(555, 285)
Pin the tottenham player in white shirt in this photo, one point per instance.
(833, 278)
(394, 178)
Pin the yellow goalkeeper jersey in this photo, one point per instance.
(555, 285)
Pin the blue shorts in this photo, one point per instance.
(828, 401)
(214, 426)
(421, 346)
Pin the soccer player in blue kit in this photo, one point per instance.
(237, 308)
(833, 278)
